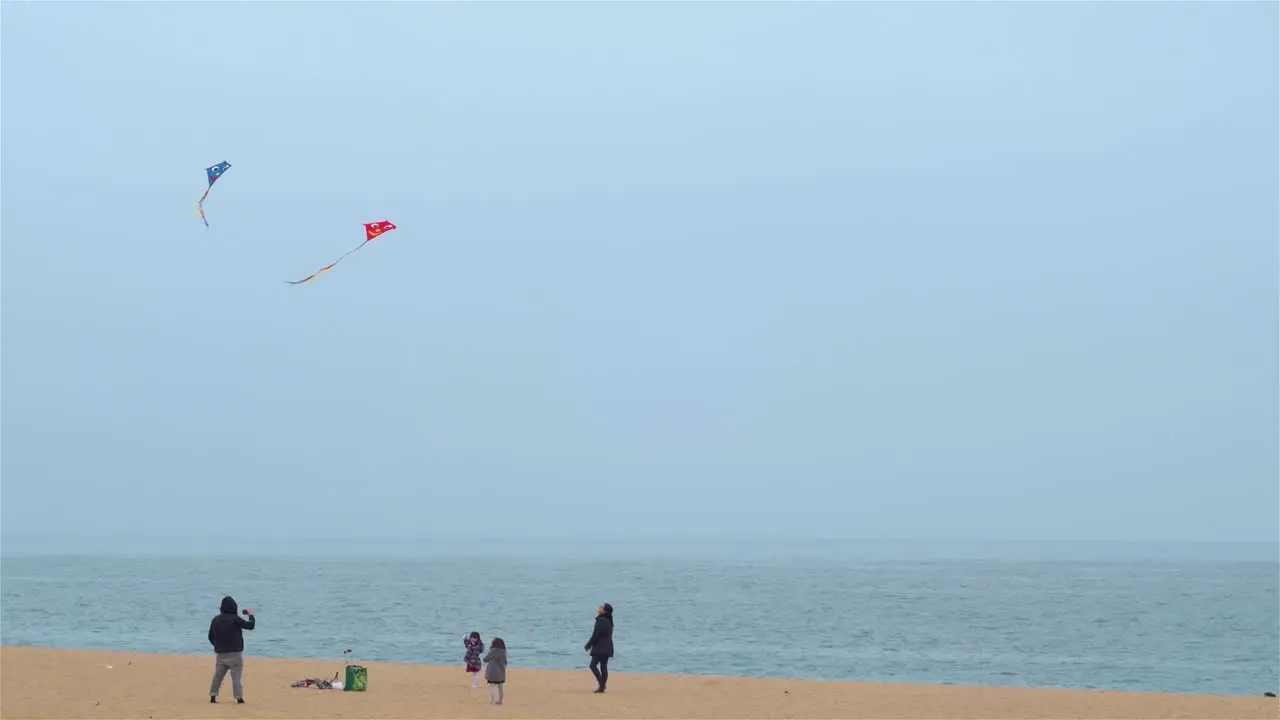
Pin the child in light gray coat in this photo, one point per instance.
(495, 670)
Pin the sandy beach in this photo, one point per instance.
(42, 683)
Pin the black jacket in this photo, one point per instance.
(225, 630)
(601, 642)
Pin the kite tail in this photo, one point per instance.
(200, 206)
(326, 268)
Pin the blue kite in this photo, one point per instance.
(214, 173)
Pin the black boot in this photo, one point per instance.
(213, 699)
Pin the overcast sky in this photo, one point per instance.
(916, 269)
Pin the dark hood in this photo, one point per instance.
(229, 606)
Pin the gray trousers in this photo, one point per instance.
(234, 662)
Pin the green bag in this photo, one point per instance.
(357, 679)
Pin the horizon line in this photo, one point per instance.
(668, 537)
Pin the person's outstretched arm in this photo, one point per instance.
(247, 624)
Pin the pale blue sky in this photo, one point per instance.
(979, 269)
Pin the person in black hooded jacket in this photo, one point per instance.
(601, 645)
(226, 635)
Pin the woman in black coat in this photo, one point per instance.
(601, 645)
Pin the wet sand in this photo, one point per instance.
(40, 683)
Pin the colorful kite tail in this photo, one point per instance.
(200, 207)
(326, 268)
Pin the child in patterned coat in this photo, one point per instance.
(475, 649)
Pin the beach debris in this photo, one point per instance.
(1268, 694)
(110, 668)
(319, 683)
(371, 231)
(212, 174)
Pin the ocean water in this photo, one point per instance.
(1195, 620)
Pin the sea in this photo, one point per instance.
(1193, 618)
